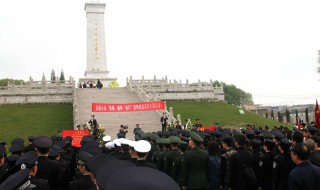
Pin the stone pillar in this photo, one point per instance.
(143, 80)
(166, 79)
(30, 83)
(58, 85)
(44, 83)
(171, 114)
(199, 84)
(179, 119)
(175, 85)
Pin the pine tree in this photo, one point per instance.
(62, 77)
(53, 76)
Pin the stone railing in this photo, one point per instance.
(164, 90)
(38, 92)
(144, 97)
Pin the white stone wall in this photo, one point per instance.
(36, 98)
(187, 96)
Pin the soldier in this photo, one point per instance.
(47, 169)
(305, 176)
(195, 165)
(177, 163)
(162, 155)
(168, 160)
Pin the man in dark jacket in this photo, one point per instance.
(238, 161)
(305, 176)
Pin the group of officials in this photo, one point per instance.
(250, 158)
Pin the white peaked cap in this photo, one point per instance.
(117, 142)
(106, 138)
(124, 141)
(109, 145)
(142, 146)
(132, 143)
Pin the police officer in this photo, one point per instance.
(265, 166)
(84, 182)
(30, 160)
(47, 169)
(282, 165)
(195, 165)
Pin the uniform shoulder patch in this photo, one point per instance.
(260, 163)
(274, 164)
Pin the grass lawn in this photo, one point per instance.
(33, 119)
(217, 112)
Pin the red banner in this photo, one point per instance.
(210, 128)
(76, 135)
(129, 107)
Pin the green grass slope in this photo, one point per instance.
(33, 119)
(217, 112)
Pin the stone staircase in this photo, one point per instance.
(148, 120)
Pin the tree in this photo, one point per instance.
(53, 76)
(234, 95)
(4, 82)
(62, 77)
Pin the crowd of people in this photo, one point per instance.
(251, 158)
(90, 84)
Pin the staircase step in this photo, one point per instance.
(149, 120)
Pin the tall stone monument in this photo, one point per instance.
(96, 45)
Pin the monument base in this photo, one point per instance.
(103, 76)
(105, 80)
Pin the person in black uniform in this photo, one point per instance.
(142, 147)
(93, 122)
(164, 120)
(29, 160)
(84, 182)
(282, 166)
(305, 176)
(238, 161)
(47, 169)
(265, 166)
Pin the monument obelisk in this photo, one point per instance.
(96, 45)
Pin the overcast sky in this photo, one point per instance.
(268, 48)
